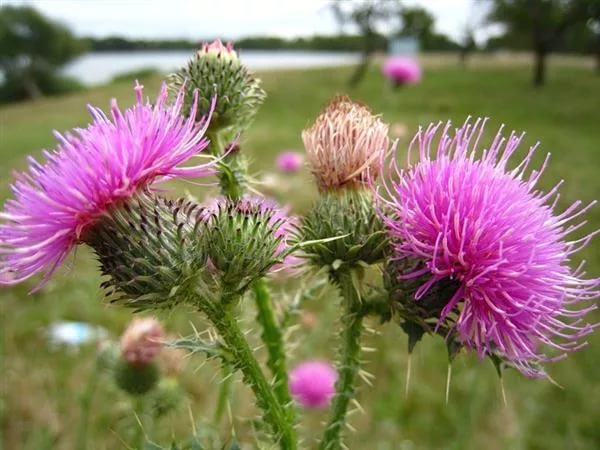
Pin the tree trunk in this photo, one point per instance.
(31, 87)
(598, 54)
(360, 70)
(368, 50)
(539, 68)
(463, 55)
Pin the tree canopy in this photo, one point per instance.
(32, 49)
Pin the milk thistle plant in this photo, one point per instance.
(458, 244)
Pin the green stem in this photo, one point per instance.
(275, 414)
(273, 338)
(85, 408)
(225, 389)
(230, 170)
(348, 362)
(144, 424)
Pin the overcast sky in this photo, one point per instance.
(195, 19)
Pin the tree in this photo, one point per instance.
(32, 49)
(543, 22)
(419, 23)
(366, 15)
(416, 22)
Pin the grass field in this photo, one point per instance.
(42, 387)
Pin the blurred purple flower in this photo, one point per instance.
(290, 162)
(91, 171)
(487, 227)
(401, 70)
(312, 383)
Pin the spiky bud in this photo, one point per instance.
(215, 70)
(136, 380)
(348, 213)
(167, 396)
(148, 249)
(246, 238)
(345, 144)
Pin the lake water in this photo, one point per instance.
(100, 67)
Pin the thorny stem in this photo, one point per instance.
(230, 170)
(224, 394)
(140, 409)
(273, 338)
(231, 188)
(274, 413)
(348, 361)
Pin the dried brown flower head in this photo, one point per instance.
(345, 144)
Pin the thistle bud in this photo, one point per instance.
(136, 371)
(215, 70)
(349, 213)
(246, 239)
(149, 251)
(218, 50)
(345, 144)
(136, 380)
(167, 396)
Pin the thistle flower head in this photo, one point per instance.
(312, 383)
(246, 238)
(471, 220)
(289, 162)
(345, 144)
(91, 171)
(150, 251)
(401, 70)
(140, 343)
(216, 71)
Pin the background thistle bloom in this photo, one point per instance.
(289, 162)
(401, 70)
(140, 342)
(312, 383)
(136, 371)
(92, 171)
(486, 227)
(345, 144)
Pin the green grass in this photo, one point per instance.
(41, 387)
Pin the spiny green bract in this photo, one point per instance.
(423, 313)
(344, 212)
(149, 250)
(238, 92)
(418, 317)
(136, 380)
(244, 240)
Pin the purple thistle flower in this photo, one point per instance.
(401, 70)
(91, 171)
(487, 227)
(312, 383)
(289, 162)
